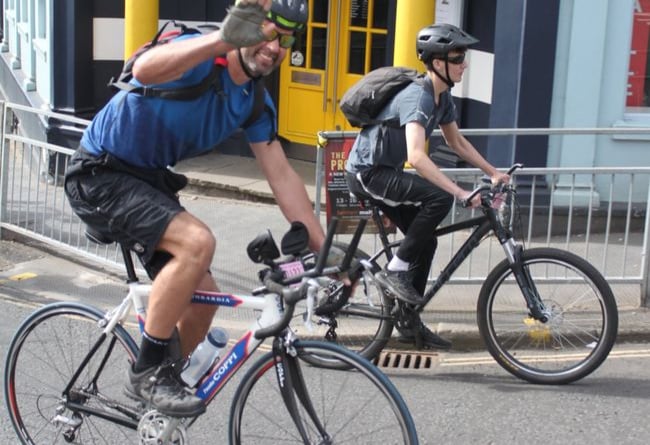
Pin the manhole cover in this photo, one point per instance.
(414, 361)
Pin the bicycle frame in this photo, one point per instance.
(272, 311)
(482, 225)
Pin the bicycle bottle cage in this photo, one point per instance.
(263, 248)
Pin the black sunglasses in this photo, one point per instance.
(456, 60)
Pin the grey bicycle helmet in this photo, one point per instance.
(289, 14)
(435, 41)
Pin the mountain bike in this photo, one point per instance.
(66, 368)
(545, 315)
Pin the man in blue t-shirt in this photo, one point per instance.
(416, 203)
(119, 183)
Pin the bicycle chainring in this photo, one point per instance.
(153, 427)
(405, 317)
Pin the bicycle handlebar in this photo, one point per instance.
(485, 187)
(273, 280)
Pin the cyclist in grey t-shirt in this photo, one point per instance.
(416, 203)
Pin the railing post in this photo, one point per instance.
(320, 171)
(645, 256)
(4, 164)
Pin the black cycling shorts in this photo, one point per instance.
(122, 206)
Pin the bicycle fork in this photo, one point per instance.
(522, 275)
(293, 390)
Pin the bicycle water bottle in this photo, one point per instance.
(205, 354)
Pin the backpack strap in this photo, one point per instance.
(212, 80)
(259, 106)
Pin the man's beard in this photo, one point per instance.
(248, 58)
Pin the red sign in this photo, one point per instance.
(636, 95)
(339, 201)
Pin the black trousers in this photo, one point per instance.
(414, 205)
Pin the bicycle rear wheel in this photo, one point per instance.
(44, 355)
(356, 406)
(358, 317)
(582, 326)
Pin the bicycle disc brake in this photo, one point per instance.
(155, 428)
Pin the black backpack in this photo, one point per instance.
(365, 99)
(212, 80)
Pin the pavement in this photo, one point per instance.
(232, 176)
(26, 268)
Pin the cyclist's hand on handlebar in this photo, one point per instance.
(474, 203)
(500, 178)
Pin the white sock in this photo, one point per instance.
(397, 265)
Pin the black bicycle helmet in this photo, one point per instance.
(435, 41)
(289, 14)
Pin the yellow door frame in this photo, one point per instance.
(310, 89)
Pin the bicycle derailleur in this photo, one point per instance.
(328, 305)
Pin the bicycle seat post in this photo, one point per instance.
(131, 276)
(381, 231)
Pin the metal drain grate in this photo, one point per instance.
(415, 361)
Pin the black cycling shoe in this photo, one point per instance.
(399, 284)
(422, 337)
(159, 387)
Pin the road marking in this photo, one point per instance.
(22, 276)
(488, 360)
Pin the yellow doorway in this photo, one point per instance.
(344, 40)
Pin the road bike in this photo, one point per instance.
(546, 315)
(66, 368)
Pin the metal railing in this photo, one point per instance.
(599, 213)
(611, 232)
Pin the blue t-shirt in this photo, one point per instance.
(156, 133)
(386, 144)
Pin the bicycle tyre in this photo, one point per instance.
(43, 355)
(580, 333)
(359, 405)
(363, 324)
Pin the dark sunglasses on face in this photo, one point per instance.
(284, 40)
(456, 60)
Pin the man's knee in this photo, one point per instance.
(189, 240)
(200, 242)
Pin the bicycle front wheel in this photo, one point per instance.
(582, 325)
(357, 317)
(359, 406)
(46, 402)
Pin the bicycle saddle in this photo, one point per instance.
(96, 236)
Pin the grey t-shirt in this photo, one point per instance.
(385, 144)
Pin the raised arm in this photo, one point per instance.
(244, 26)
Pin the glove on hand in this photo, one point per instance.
(243, 25)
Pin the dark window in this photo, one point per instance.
(359, 13)
(319, 11)
(319, 43)
(356, 64)
(378, 53)
(380, 14)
